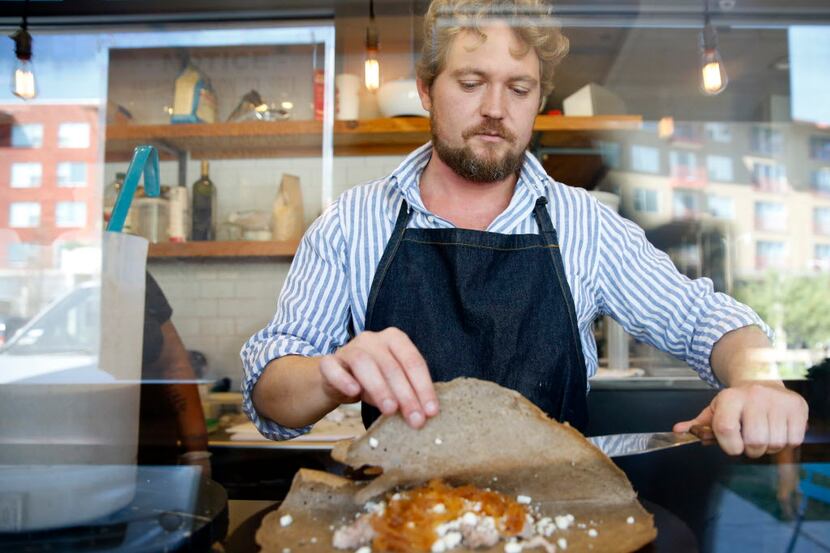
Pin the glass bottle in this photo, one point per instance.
(204, 207)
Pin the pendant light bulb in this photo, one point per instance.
(23, 74)
(713, 75)
(371, 66)
(371, 71)
(713, 78)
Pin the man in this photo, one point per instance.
(470, 260)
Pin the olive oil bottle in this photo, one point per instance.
(204, 207)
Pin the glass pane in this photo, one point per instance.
(27, 135)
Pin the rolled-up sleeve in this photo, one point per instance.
(311, 318)
(640, 287)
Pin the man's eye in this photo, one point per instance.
(469, 85)
(520, 91)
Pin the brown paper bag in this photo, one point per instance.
(287, 218)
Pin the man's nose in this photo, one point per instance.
(492, 102)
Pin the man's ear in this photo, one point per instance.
(423, 92)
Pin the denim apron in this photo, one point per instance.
(485, 305)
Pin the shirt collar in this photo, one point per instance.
(407, 175)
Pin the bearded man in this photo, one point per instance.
(469, 260)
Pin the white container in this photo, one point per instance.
(593, 99)
(400, 98)
(347, 96)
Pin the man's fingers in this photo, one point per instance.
(416, 370)
(797, 423)
(338, 377)
(726, 422)
(755, 431)
(364, 368)
(399, 383)
(777, 432)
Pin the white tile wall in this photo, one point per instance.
(219, 304)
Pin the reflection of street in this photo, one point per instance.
(741, 524)
(50, 206)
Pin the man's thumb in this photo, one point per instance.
(704, 418)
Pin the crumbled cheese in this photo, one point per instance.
(375, 507)
(593, 533)
(581, 525)
(630, 520)
(396, 497)
(562, 543)
(439, 508)
(373, 442)
(313, 539)
(524, 499)
(512, 547)
(446, 542)
(286, 550)
(495, 479)
(563, 522)
(545, 527)
(475, 506)
(447, 527)
(470, 519)
(364, 549)
(438, 441)
(286, 520)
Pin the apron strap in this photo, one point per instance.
(543, 220)
(387, 258)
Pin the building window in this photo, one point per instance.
(24, 214)
(820, 180)
(770, 177)
(73, 135)
(645, 200)
(70, 214)
(721, 207)
(683, 165)
(29, 135)
(645, 159)
(720, 168)
(821, 220)
(770, 216)
(685, 204)
(766, 141)
(770, 255)
(610, 152)
(26, 175)
(20, 254)
(718, 132)
(687, 132)
(822, 256)
(820, 147)
(71, 174)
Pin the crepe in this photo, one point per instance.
(485, 435)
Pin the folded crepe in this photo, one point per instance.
(487, 436)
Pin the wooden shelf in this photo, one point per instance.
(238, 248)
(256, 139)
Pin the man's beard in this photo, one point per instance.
(473, 167)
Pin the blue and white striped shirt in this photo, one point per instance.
(610, 266)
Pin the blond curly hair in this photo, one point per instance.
(531, 20)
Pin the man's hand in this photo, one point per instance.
(754, 418)
(384, 369)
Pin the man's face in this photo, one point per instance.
(483, 104)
